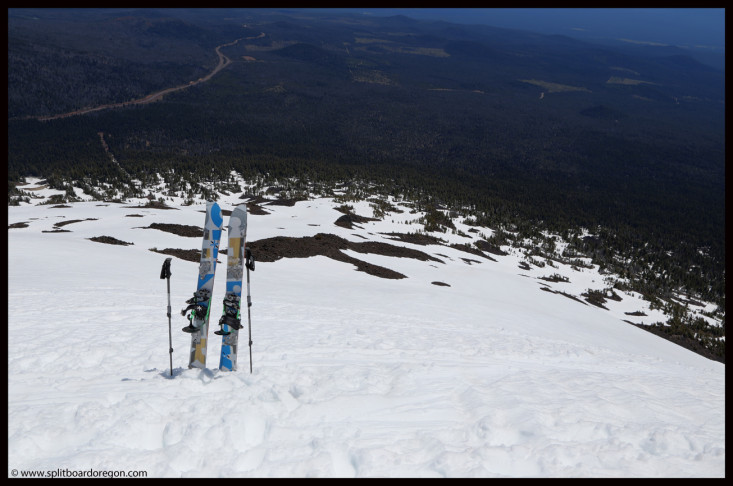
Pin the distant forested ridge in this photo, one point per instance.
(528, 130)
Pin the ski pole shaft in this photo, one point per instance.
(165, 273)
(170, 333)
(249, 320)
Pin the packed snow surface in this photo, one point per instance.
(353, 375)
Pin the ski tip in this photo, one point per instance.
(215, 213)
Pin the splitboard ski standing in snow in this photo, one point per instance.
(200, 304)
(231, 318)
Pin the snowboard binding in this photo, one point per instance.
(197, 309)
(231, 315)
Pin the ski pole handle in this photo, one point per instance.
(249, 259)
(165, 272)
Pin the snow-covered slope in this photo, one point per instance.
(354, 375)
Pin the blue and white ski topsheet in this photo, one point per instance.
(205, 286)
(237, 234)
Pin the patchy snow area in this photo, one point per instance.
(354, 375)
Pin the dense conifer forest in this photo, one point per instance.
(524, 132)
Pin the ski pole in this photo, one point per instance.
(250, 264)
(165, 273)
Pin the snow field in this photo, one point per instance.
(354, 375)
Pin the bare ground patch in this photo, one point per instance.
(415, 238)
(45, 186)
(472, 250)
(253, 199)
(286, 202)
(349, 220)
(109, 240)
(331, 246)
(484, 245)
(565, 294)
(555, 278)
(152, 205)
(423, 240)
(256, 209)
(177, 229)
(598, 297)
(64, 223)
(187, 255)
(636, 313)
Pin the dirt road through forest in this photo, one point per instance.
(224, 61)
